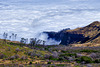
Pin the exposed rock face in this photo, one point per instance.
(90, 33)
(66, 37)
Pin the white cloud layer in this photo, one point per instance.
(30, 20)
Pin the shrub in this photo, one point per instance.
(30, 63)
(29, 53)
(2, 56)
(60, 59)
(67, 54)
(52, 58)
(9, 48)
(51, 66)
(85, 59)
(60, 65)
(97, 61)
(46, 49)
(49, 62)
(64, 51)
(88, 51)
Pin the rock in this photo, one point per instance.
(29, 53)
(9, 48)
(55, 54)
(12, 57)
(38, 55)
(83, 62)
(46, 56)
(33, 54)
(2, 56)
(79, 55)
(16, 56)
(17, 49)
(89, 65)
(70, 59)
(24, 57)
(93, 55)
(21, 65)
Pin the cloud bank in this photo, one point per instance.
(29, 20)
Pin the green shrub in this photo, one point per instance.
(97, 61)
(64, 51)
(77, 66)
(85, 59)
(30, 63)
(46, 49)
(49, 62)
(88, 51)
(67, 54)
(60, 65)
(60, 59)
(51, 58)
(51, 66)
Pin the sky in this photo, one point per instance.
(29, 18)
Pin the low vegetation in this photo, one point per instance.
(54, 55)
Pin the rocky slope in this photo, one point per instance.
(89, 33)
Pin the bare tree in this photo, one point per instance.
(22, 40)
(9, 37)
(44, 42)
(15, 36)
(5, 35)
(35, 41)
(12, 36)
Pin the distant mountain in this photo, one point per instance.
(90, 33)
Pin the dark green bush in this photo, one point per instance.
(97, 61)
(49, 62)
(30, 63)
(60, 59)
(85, 59)
(67, 54)
(64, 51)
(88, 51)
(60, 65)
(51, 58)
(46, 49)
(51, 66)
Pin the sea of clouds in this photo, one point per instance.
(29, 18)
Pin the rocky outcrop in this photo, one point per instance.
(90, 33)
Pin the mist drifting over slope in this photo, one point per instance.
(29, 18)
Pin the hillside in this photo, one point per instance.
(87, 34)
(92, 31)
(15, 54)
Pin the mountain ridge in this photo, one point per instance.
(87, 34)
